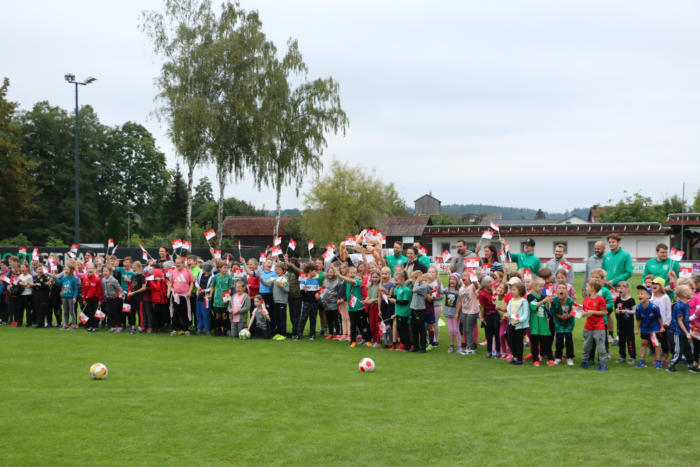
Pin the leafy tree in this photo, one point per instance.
(55, 242)
(178, 35)
(347, 200)
(540, 214)
(207, 216)
(295, 121)
(115, 227)
(633, 207)
(446, 219)
(174, 209)
(696, 202)
(203, 193)
(17, 240)
(19, 192)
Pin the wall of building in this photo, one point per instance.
(641, 247)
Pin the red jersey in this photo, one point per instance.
(158, 287)
(92, 287)
(595, 323)
(253, 286)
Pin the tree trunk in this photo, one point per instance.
(278, 187)
(188, 217)
(220, 211)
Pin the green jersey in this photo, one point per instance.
(393, 260)
(618, 266)
(527, 261)
(220, 285)
(403, 294)
(354, 296)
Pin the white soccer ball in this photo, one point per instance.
(366, 365)
(282, 281)
(98, 371)
(244, 334)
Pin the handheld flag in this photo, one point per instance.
(177, 244)
(226, 296)
(276, 251)
(549, 289)
(187, 245)
(83, 317)
(209, 234)
(494, 227)
(473, 278)
(565, 265)
(22, 250)
(263, 257)
(310, 245)
(292, 245)
(126, 308)
(217, 254)
(446, 256)
(685, 273)
(277, 242)
(383, 240)
(115, 249)
(74, 248)
(502, 256)
(350, 240)
(99, 314)
(144, 255)
(487, 235)
(676, 255)
(472, 262)
(35, 254)
(110, 243)
(527, 275)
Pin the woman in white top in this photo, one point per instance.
(26, 281)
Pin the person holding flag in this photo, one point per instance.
(526, 259)
(559, 262)
(463, 252)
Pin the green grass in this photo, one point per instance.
(205, 400)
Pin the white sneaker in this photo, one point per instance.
(557, 361)
(570, 361)
(461, 351)
(470, 352)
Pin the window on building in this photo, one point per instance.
(471, 246)
(591, 247)
(444, 246)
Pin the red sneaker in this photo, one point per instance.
(527, 357)
(536, 363)
(330, 336)
(550, 362)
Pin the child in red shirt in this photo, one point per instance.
(92, 296)
(594, 310)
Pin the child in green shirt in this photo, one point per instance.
(563, 324)
(220, 298)
(402, 311)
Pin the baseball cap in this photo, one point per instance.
(530, 242)
(641, 287)
(660, 281)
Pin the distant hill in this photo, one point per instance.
(509, 212)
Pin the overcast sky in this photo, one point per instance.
(541, 104)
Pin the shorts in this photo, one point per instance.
(430, 317)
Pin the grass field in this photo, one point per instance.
(205, 400)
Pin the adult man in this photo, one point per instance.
(421, 257)
(559, 262)
(662, 264)
(617, 263)
(397, 257)
(414, 263)
(462, 252)
(527, 259)
(594, 262)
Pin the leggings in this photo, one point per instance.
(295, 305)
(540, 346)
(515, 336)
(373, 313)
(420, 337)
(503, 336)
(625, 330)
(345, 318)
(147, 315)
(90, 308)
(358, 320)
(436, 327)
(180, 321)
(332, 322)
(453, 327)
(402, 329)
(69, 316)
(279, 318)
(114, 311)
(492, 323)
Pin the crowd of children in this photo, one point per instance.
(363, 298)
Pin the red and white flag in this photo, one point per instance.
(22, 250)
(384, 240)
(71, 255)
(353, 301)
(472, 262)
(473, 278)
(177, 244)
(99, 314)
(507, 245)
(226, 296)
(654, 339)
(45, 269)
(217, 254)
(565, 265)
(126, 308)
(502, 256)
(438, 260)
(83, 317)
(685, 273)
(74, 248)
(144, 255)
(35, 254)
(446, 256)
(527, 275)
(494, 226)
(209, 234)
(110, 243)
(422, 250)
(292, 245)
(263, 257)
(276, 251)
(115, 249)
(576, 311)
(350, 240)
(615, 293)
(310, 245)
(676, 255)
(187, 245)
(488, 235)
(549, 289)
(5, 279)
(277, 242)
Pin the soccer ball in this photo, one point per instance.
(366, 365)
(98, 371)
(282, 281)
(244, 334)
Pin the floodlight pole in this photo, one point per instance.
(70, 78)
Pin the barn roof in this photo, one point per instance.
(241, 226)
(409, 226)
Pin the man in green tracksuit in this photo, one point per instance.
(397, 257)
(617, 263)
(662, 264)
(527, 259)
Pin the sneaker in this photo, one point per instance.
(462, 351)
(497, 354)
(584, 365)
(631, 361)
(370, 345)
(610, 339)
(488, 355)
(173, 333)
(671, 369)
(658, 365)
(620, 360)
(483, 343)
(311, 338)
(642, 364)
(616, 342)
(451, 349)
(694, 369)
(550, 362)
(504, 357)
(557, 361)
(527, 357)
(187, 333)
(353, 345)
(602, 367)
(570, 361)
(470, 352)
(329, 337)
(509, 358)
(537, 363)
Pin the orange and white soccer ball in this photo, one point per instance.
(366, 365)
(98, 371)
